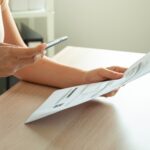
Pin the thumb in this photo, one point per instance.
(28, 52)
(41, 47)
(110, 74)
(102, 74)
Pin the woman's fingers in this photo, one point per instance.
(15, 57)
(110, 94)
(31, 57)
(102, 74)
(117, 69)
(107, 74)
(20, 52)
(23, 52)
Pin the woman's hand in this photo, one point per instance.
(104, 74)
(13, 58)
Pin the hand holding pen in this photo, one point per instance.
(51, 44)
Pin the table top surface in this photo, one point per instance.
(121, 122)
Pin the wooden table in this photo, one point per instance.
(118, 123)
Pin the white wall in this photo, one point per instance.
(108, 24)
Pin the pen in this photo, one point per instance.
(55, 42)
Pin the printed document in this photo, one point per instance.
(70, 97)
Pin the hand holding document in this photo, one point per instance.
(70, 97)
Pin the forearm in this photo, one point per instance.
(12, 35)
(48, 72)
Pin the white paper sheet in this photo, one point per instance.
(70, 97)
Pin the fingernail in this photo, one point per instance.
(44, 45)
